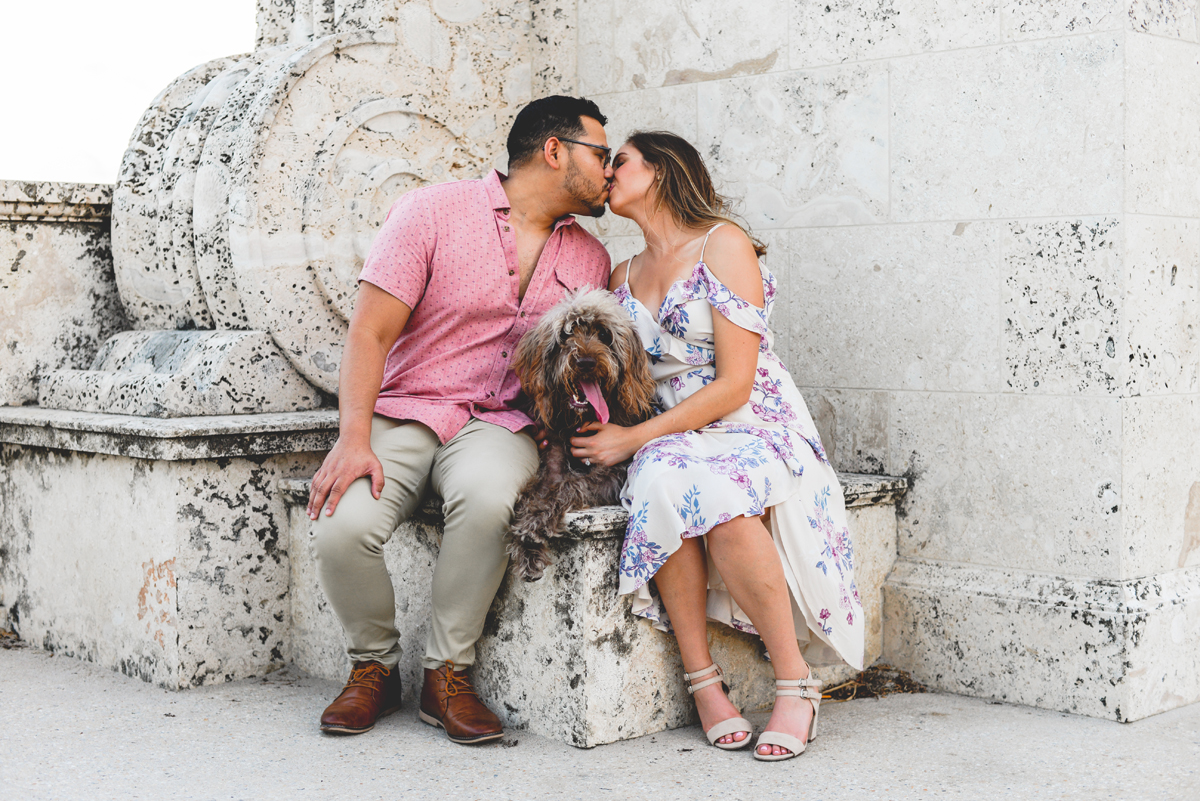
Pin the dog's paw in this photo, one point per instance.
(529, 560)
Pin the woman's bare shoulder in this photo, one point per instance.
(730, 256)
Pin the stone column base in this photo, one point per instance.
(155, 547)
(1121, 650)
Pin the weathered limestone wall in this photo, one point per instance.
(986, 222)
(58, 300)
(157, 548)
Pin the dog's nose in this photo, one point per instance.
(586, 363)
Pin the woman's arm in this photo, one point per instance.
(730, 257)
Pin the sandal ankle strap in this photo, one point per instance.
(704, 672)
(713, 668)
(799, 688)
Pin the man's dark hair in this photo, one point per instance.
(557, 115)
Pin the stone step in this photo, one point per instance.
(182, 374)
(563, 657)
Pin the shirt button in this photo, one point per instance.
(503, 354)
(510, 272)
(522, 314)
(506, 228)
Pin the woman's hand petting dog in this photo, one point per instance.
(609, 445)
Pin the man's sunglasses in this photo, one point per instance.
(607, 150)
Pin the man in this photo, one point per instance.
(457, 274)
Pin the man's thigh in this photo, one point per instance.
(485, 466)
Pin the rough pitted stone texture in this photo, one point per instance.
(177, 185)
(174, 572)
(356, 121)
(58, 296)
(210, 198)
(180, 374)
(563, 657)
(554, 47)
(170, 439)
(1062, 306)
(51, 201)
(1047, 640)
(154, 296)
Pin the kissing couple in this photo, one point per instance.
(736, 514)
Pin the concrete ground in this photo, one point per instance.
(74, 730)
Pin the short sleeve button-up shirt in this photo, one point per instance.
(449, 253)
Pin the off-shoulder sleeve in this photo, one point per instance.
(734, 308)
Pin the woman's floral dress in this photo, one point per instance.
(764, 455)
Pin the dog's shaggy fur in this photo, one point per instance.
(586, 338)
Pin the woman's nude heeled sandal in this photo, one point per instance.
(728, 726)
(800, 688)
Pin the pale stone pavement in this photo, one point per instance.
(75, 730)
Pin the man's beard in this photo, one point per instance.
(579, 189)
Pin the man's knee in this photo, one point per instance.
(485, 504)
(357, 525)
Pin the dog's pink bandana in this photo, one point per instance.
(591, 391)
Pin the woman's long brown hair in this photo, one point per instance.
(683, 184)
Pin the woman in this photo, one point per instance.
(734, 509)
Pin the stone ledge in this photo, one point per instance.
(1116, 649)
(604, 522)
(52, 201)
(169, 439)
(1108, 596)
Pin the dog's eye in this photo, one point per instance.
(605, 336)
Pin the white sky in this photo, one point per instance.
(76, 76)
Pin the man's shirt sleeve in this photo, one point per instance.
(401, 255)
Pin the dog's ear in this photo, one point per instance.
(635, 388)
(529, 365)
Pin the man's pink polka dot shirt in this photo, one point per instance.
(449, 253)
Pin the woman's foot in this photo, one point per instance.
(791, 716)
(714, 706)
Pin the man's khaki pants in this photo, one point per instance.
(478, 475)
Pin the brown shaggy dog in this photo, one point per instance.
(582, 362)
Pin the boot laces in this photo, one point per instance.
(454, 685)
(368, 676)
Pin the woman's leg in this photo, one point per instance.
(745, 556)
(682, 584)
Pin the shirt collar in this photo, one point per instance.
(499, 199)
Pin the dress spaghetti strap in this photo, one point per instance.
(704, 244)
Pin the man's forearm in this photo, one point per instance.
(359, 381)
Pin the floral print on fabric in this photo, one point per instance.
(765, 455)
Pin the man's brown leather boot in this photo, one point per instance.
(449, 701)
(372, 692)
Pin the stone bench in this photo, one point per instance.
(176, 550)
(563, 657)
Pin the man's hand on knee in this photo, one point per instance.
(345, 463)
